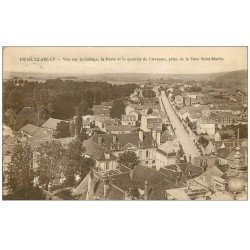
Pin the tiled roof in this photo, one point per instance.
(52, 123)
(94, 150)
(96, 191)
(121, 141)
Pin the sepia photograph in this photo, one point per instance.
(125, 123)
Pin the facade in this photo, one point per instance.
(129, 120)
(144, 144)
(118, 129)
(149, 122)
(206, 126)
(179, 100)
(167, 154)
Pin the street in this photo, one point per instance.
(182, 136)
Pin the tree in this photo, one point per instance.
(49, 158)
(148, 93)
(203, 141)
(83, 135)
(78, 125)
(150, 111)
(42, 102)
(15, 102)
(62, 130)
(75, 163)
(21, 175)
(81, 108)
(129, 159)
(118, 109)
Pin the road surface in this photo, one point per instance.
(182, 135)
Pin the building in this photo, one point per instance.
(179, 101)
(51, 124)
(167, 154)
(30, 131)
(101, 110)
(223, 118)
(141, 183)
(150, 122)
(205, 126)
(144, 144)
(143, 109)
(118, 129)
(129, 120)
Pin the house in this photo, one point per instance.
(141, 183)
(223, 118)
(205, 126)
(30, 130)
(100, 110)
(138, 92)
(161, 115)
(134, 97)
(217, 136)
(102, 124)
(143, 109)
(144, 144)
(150, 122)
(209, 148)
(107, 105)
(166, 154)
(129, 120)
(179, 100)
(118, 129)
(51, 124)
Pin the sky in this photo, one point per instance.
(232, 58)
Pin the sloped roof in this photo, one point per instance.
(118, 128)
(52, 123)
(121, 141)
(94, 150)
(97, 190)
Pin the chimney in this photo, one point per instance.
(99, 140)
(154, 134)
(131, 175)
(158, 138)
(146, 190)
(105, 187)
(141, 135)
(107, 155)
(204, 178)
(114, 139)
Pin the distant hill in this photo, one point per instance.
(237, 79)
(240, 75)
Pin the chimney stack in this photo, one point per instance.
(105, 187)
(158, 138)
(114, 139)
(141, 135)
(99, 140)
(154, 134)
(146, 190)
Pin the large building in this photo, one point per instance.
(144, 144)
(205, 126)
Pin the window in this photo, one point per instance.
(147, 154)
(107, 165)
(146, 162)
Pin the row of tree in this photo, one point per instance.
(51, 166)
(61, 99)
